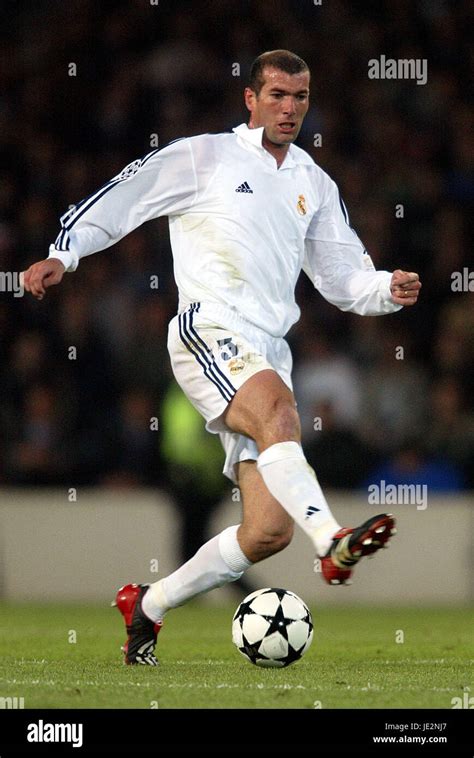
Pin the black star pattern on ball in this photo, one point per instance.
(293, 655)
(278, 623)
(251, 650)
(243, 610)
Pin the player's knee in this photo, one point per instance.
(282, 424)
(269, 543)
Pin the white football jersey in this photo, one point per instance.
(241, 229)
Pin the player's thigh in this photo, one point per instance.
(231, 381)
(212, 364)
(263, 516)
(264, 409)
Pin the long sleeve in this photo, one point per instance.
(338, 264)
(162, 183)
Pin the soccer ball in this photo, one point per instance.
(272, 628)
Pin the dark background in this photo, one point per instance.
(394, 394)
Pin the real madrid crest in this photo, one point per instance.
(236, 365)
(301, 205)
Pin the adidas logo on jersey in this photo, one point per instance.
(245, 187)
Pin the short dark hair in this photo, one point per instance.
(283, 60)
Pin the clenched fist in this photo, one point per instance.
(405, 287)
(42, 275)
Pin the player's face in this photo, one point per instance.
(280, 106)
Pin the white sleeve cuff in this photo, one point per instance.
(69, 260)
(385, 293)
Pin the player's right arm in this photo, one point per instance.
(162, 183)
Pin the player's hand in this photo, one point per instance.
(405, 287)
(42, 275)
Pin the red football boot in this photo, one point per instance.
(350, 545)
(142, 631)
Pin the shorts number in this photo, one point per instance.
(229, 348)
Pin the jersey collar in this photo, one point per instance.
(254, 137)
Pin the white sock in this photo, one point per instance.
(217, 562)
(292, 481)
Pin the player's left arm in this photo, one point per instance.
(405, 287)
(339, 266)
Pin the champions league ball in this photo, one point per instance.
(272, 628)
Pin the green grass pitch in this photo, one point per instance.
(360, 658)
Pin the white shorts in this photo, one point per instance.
(213, 351)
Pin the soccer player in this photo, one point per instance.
(247, 211)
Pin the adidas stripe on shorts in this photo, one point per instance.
(213, 351)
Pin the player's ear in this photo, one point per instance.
(250, 98)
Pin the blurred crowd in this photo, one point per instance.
(85, 380)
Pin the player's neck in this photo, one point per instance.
(277, 151)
